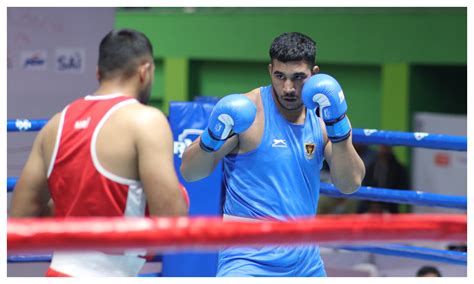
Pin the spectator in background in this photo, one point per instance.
(332, 205)
(387, 172)
(462, 247)
(428, 271)
(366, 153)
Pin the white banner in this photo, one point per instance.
(52, 56)
(439, 171)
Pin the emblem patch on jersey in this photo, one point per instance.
(309, 150)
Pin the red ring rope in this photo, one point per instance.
(164, 234)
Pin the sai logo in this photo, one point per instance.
(184, 140)
(23, 124)
(70, 60)
(33, 60)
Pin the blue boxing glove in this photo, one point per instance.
(232, 114)
(324, 91)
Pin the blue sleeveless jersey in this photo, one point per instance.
(279, 180)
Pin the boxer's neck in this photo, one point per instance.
(117, 86)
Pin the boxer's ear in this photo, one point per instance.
(143, 71)
(315, 70)
(97, 74)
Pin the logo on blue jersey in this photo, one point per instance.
(279, 143)
(309, 150)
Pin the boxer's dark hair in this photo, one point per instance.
(293, 47)
(120, 53)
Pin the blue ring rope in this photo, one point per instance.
(21, 125)
(446, 256)
(398, 196)
(412, 139)
(29, 258)
(11, 182)
(47, 258)
(363, 136)
(375, 194)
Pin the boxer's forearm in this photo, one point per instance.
(196, 163)
(347, 168)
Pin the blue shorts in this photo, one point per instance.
(271, 261)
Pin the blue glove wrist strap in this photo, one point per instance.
(339, 130)
(209, 143)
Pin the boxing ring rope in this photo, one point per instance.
(18, 258)
(410, 139)
(164, 234)
(203, 233)
(375, 194)
(451, 257)
(398, 196)
(446, 256)
(11, 182)
(22, 125)
(363, 136)
(29, 258)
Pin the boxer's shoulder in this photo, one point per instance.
(139, 115)
(255, 96)
(250, 139)
(53, 123)
(49, 131)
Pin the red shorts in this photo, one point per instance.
(53, 273)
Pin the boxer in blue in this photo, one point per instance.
(273, 141)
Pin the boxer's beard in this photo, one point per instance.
(144, 95)
(284, 107)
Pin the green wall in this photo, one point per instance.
(362, 89)
(343, 35)
(219, 78)
(394, 104)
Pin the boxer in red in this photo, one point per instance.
(105, 154)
